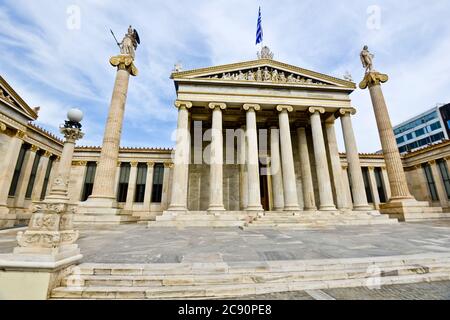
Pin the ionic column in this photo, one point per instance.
(275, 170)
(166, 180)
(216, 159)
(323, 175)
(178, 200)
(287, 159)
(354, 165)
(40, 176)
(77, 174)
(305, 164)
(422, 183)
(394, 166)
(336, 165)
(131, 186)
(8, 164)
(243, 169)
(348, 192)
(24, 178)
(149, 185)
(374, 188)
(254, 193)
(103, 190)
(387, 186)
(440, 188)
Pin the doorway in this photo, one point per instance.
(264, 187)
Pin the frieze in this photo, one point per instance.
(266, 74)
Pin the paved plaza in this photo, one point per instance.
(137, 244)
(416, 291)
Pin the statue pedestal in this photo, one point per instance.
(411, 210)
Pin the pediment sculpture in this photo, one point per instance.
(266, 74)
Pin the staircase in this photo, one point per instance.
(201, 219)
(221, 280)
(317, 220)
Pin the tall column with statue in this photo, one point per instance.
(402, 204)
(103, 198)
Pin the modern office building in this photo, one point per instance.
(430, 127)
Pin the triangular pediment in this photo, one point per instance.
(10, 98)
(263, 71)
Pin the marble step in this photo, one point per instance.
(320, 216)
(313, 225)
(255, 268)
(195, 224)
(234, 290)
(246, 278)
(106, 219)
(411, 217)
(203, 217)
(320, 220)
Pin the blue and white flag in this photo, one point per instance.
(259, 29)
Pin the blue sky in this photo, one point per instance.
(58, 67)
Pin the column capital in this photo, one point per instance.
(79, 163)
(47, 154)
(314, 110)
(72, 134)
(134, 164)
(249, 106)
(220, 105)
(287, 108)
(373, 79)
(124, 62)
(168, 165)
(2, 127)
(20, 134)
(183, 104)
(432, 162)
(34, 148)
(150, 165)
(371, 168)
(347, 111)
(418, 166)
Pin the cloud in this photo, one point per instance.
(57, 67)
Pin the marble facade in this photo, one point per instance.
(286, 161)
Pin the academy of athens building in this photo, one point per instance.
(267, 132)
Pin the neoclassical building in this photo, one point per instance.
(254, 139)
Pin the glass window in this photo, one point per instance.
(18, 170)
(124, 179)
(431, 182)
(89, 178)
(32, 180)
(438, 137)
(380, 185)
(46, 179)
(140, 183)
(409, 136)
(445, 175)
(400, 139)
(435, 126)
(420, 132)
(365, 172)
(158, 178)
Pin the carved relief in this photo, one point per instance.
(266, 75)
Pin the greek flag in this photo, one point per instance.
(259, 29)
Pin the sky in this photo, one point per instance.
(55, 54)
